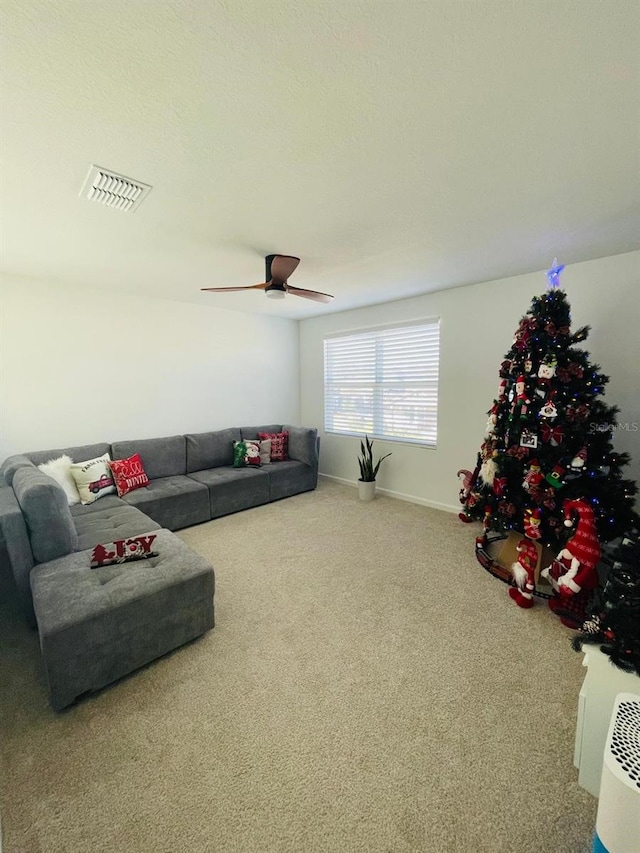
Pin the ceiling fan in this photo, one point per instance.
(279, 268)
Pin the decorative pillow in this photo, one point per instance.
(60, 470)
(265, 452)
(128, 474)
(279, 444)
(123, 551)
(246, 453)
(93, 478)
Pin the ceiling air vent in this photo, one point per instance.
(113, 190)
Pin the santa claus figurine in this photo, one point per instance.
(573, 574)
(523, 572)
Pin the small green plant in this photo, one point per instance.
(368, 470)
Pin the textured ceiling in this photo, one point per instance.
(396, 147)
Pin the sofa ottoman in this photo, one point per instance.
(97, 625)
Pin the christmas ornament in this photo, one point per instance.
(523, 573)
(528, 365)
(468, 481)
(549, 410)
(528, 439)
(555, 477)
(578, 461)
(573, 574)
(533, 477)
(532, 519)
(521, 401)
(546, 372)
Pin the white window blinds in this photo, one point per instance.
(384, 383)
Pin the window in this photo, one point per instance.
(384, 383)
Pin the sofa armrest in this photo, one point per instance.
(15, 544)
(11, 465)
(303, 445)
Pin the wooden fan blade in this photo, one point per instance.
(229, 289)
(282, 266)
(309, 294)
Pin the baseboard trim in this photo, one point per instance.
(412, 499)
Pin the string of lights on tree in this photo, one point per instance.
(549, 434)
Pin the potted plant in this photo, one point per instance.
(368, 470)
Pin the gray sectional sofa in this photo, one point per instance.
(98, 625)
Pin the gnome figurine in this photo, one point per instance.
(523, 572)
(574, 574)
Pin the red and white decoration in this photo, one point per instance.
(524, 574)
(128, 474)
(279, 444)
(93, 478)
(123, 551)
(573, 574)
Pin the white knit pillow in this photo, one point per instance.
(60, 470)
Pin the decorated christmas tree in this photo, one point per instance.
(547, 462)
(614, 621)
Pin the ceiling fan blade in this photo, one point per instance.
(229, 289)
(309, 294)
(282, 266)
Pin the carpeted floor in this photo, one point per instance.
(368, 687)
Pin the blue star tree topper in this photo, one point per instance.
(554, 274)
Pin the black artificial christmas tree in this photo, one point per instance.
(549, 436)
(615, 612)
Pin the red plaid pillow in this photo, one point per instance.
(128, 474)
(279, 444)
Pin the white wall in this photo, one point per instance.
(78, 366)
(477, 326)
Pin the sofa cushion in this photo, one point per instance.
(77, 454)
(107, 520)
(252, 431)
(174, 502)
(161, 457)
(210, 449)
(234, 489)
(43, 502)
(96, 625)
(290, 478)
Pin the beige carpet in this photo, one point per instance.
(368, 687)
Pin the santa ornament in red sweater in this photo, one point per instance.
(574, 574)
(524, 574)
